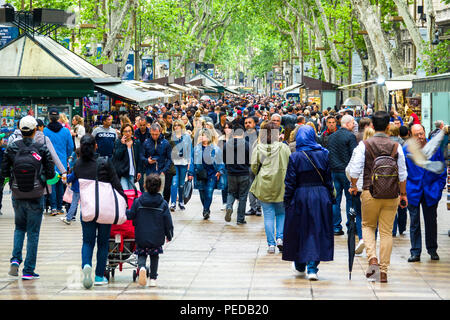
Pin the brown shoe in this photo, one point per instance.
(383, 277)
(373, 270)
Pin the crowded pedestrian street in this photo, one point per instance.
(225, 153)
(215, 260)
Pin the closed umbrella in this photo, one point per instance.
(187, 191)
(351, 238)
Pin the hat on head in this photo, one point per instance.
(40, 123)
(239, 112)
(53, 112)
(27, 123)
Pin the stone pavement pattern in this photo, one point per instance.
(218, 260)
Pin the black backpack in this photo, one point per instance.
(27, 169)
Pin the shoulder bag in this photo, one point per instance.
(102, 210)
(317, 170)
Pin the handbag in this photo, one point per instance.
(108, 207)
(323, 181)
(187, 191)
(68, 194)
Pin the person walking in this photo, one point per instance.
(127, 158)
(341, 145)
(21, 156)
(75, 187)
(251, 136)
(331, 128)
(236, 155)
(142, 133)
(380, 210)
(78, 130)
(269, 164)
(308, 198)
(206, 169)
(63, 144)
(157, 155)
(88, 167)
(105, 137)
(424, 189)
(181, 156)
(153, 225)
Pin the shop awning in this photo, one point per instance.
(292, 87)
(128, 92)
(359, 85)
(400, 83)
(231, 91)
(437, 83)
(180, 87)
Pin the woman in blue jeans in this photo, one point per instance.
(87, 167)
(181, 155)
(207, 169)
(270, 159)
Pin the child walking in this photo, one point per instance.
(153, 225)
(75, 187)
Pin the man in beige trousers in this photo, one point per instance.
(378, 212)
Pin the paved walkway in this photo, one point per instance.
(218, 260)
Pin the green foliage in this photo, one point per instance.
(438, 58)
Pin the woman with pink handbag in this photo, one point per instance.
(99, 184)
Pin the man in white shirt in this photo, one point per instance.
(377, 212)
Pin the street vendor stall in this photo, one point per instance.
(44, 75)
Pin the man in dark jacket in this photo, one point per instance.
(341, 145)
(28, 207)
(157, 154)
(236, 155)
(331, 128)
(251, 136)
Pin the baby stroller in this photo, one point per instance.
(121, 243)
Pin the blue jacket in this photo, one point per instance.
(213, 156)
(159, 151)
(74, 180)
(422, 182)
(62, 142)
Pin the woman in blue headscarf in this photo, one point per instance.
(308, 199)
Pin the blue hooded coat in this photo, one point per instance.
(308, 226)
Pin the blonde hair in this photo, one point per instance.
(63, 118)
(309, 123)
(393, 130)
(181, 123)
(124, 120)
(368, 133)
(79, 120)
(294, 134)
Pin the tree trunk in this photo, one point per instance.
(413, 30)
(376, 34)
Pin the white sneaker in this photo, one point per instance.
(360, 247)
(312, 276)
(87, 280)
(271, 249)
(152, 283)
(297, 273)
(142, 277)
(64, 219)
(224, 207)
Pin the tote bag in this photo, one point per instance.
(107, 207)
(68, 194)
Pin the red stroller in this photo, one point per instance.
(122, 243)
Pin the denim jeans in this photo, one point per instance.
(341, 184)
(311, 265)
(254, 202)
(430, 220)
(127, 183)
(28, 219)
(95, 231)
(273, 218)
(225, 193)
(73, 206)
(178, 184)
(142, 260)
(238, 187)
(56, 197)
(206, 194)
